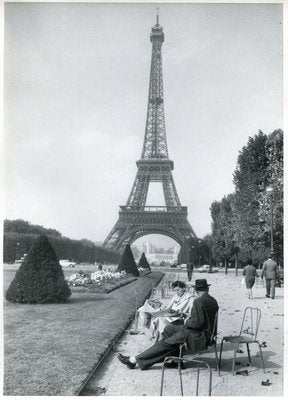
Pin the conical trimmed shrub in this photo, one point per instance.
(127, 262)
(143, 263)
(40, 278)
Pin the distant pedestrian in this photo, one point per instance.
(270, 271)
(189, 267)
(250, 274)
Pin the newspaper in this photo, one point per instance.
(166, 313)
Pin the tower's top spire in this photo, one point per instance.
(157, 30)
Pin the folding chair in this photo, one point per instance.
(250, 326)
(186, 355)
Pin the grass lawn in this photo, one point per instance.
(49, 349)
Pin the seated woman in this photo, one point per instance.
(179, 306)
(181, 303)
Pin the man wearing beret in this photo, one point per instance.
(195, 331)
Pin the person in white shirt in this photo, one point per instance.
(179, 306)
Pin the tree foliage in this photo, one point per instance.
(241, 221)
(224, 231)
(188, 251)
(251, 177)
(195, 250)
(20, 235)
(143, 263)
(127, 262)
(40, 278)
(21, 226)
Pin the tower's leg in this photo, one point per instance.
(139, 191)
(170, 192)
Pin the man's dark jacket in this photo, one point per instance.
(189, 266)
(270, 269)
(199, 325)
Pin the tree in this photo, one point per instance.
(259, 165)
(187, 251)
(127, 262)
(143, 263)
(20, 235)
(21, 226)
(223, 228)
(274, 151)
(250, 179)
(241, 221)
(40, 278)
(207, 243)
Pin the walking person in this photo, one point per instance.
(196, 331)
(250, 274)
(189, 267)
(270, 271)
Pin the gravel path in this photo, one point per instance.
(115, 379)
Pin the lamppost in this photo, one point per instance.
(210, 258)
(199, 252)
(191, 251)
(269, 191)
(17, 251)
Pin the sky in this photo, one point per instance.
(76, 79)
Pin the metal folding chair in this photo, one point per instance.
(249, 327)
(186, 355)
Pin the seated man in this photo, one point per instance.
(154, 310)
(196, 332)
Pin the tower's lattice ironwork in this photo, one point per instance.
(135, 218)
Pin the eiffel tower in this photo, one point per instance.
(135, 218)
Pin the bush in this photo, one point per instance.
(143, 263)
(40, 278)
(127, 262)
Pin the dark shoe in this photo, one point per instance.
(267, 295)
(272, 297)
(125, 360)
(174, 364)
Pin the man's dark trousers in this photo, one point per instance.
(189, 267)
(270, 285)
(189, 275)
(169, 346)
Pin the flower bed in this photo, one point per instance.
(98, 281)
